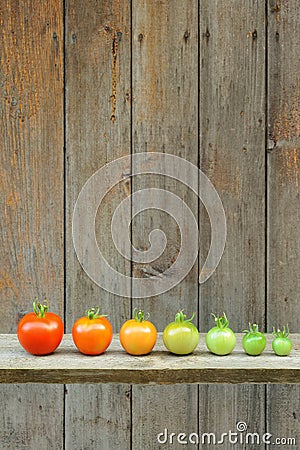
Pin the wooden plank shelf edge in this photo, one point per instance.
(66, 365)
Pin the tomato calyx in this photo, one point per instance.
(253, 329)
(93, 313)
(40, 309)
(222, 321)
(180, 317)
(284, 333)
(139, 315)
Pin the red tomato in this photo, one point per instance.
(40, 332)
(137, 335)
(92, 334)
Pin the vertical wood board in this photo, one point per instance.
(232, 155)
(165, 92)
(31, 179)
(283, 403)
(97, 132)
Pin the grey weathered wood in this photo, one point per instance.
(223, 408)
(283, 403)
(32, 417)
(283, 164)
(31, 213)
(165, 86)
(67, 365)
(283, 420)
(98, 410)
(97, 132)
(232, 155)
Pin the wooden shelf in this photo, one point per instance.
(67, 365)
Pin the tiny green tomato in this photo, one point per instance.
(282, 345)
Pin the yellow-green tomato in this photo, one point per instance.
(181, 337)
(220, 339)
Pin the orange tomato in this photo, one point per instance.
(138, 335)
(92, 334)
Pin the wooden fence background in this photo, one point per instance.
(82, 83)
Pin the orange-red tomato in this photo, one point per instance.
(92, 334)
(138, 336)
(40, 332)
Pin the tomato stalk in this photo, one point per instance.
(181, 317)
(221, 322)
(139, 315)
(93, 313)
(40, 309)
(252, 328)
(284, 333)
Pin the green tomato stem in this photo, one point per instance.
(139, 315)
(284, 333)
(40, 309)
(181, 317)
(252, 329)
(222, 321)
(93, 313)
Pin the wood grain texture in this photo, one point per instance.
(104, 412)
(97, 131)
(232, 155)
(165, 92)
(221, 399)
(160, 414)
(67, 365)
(283, 419)
(165, 120)
(97, 88)
(283, 164)
(283, 196)
(32, 417)
(31, 158)
(31, 191)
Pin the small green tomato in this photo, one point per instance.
(282, 345)
(254, 342)
(220, 339)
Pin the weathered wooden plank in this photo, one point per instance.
(283, 420)
(245, 416)
(162, 415)
(31, 215)
(159, 367)
(283, 163)
(283, 403)
(232, 155)
(97, 131)
(32, 417)
(165, 87)
(165, 84)
(99, 410)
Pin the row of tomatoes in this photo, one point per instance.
(41, 332)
